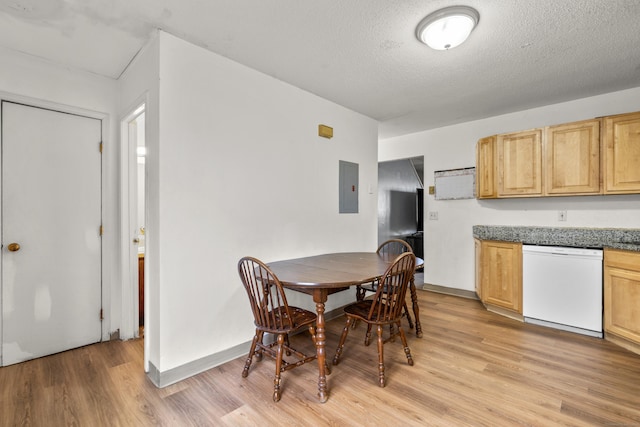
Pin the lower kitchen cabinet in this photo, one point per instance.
(499, 273)
(477, 244)
(622, 295)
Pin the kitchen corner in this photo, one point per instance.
(503, 279)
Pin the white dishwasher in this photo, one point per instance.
(562, 288)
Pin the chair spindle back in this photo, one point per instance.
(268, 301)
(389, 299)
(394, 247)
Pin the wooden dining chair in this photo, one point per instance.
(389, 248)
(273, 315)
(384, 309)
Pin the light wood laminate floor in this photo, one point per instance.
(472, 367)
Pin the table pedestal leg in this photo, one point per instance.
(320, 297)
(416, 309)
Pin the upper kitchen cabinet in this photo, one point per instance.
(486, 187)
(519, 158)
(621, 151)
(572, 158)
(596, 156)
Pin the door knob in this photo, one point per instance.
(13, 247)
(136, 240)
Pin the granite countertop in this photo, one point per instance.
(616, 238)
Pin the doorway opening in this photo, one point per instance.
(401, 202)
(141, 151)
(133, 223)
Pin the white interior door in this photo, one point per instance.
(51, 208)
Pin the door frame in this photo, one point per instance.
(104, 248)
(128, 161)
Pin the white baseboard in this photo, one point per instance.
(179, 373)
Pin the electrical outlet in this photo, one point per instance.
(562, 215)
(433, 216)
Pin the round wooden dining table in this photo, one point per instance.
(322, 275)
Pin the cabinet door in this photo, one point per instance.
(622, 294)
(502, 274)
(622, 154)
(478, 267)
(520, 164)
(486, 168)
(572, 158)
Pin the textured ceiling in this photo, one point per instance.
(361, 53)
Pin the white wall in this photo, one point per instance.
(38, 82)
(449, 258)
(236, 168)
(243, 172)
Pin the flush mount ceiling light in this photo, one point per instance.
(447, 28)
